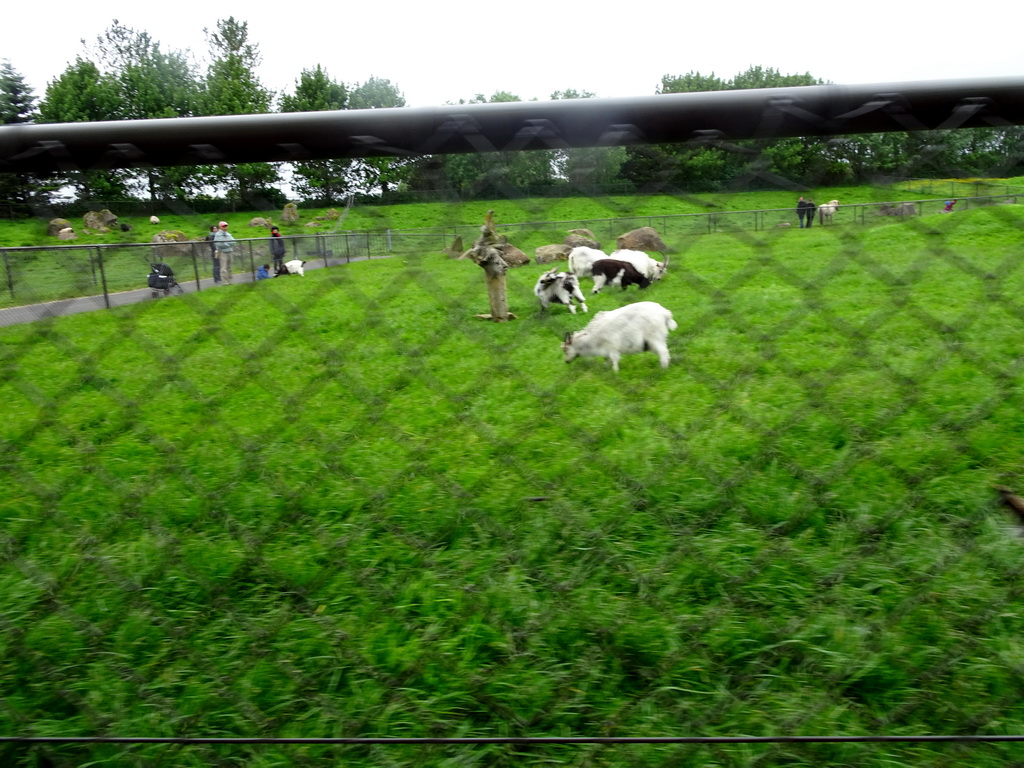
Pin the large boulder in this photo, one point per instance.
(173, 242)
(581, 237)
(513, 256)
(290, 213)
(455, 250)
(54, 227)
(549, 253)
(899, 209)
(170, 236)
(259, 221)
(101, 221)
(643, 239)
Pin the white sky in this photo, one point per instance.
(437, 53)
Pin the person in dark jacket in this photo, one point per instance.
(811, 209)
(276, 247)
(802, 213)
(213, 253)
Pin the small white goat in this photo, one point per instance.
(154, 220)
(633, 328)
(554, 287)
(582, 258)
(645, 265)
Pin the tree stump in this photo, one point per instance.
(486, 252)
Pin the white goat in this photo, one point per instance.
(645, 265)
(554, 287)
(582, 258)
(154, 220)
(633, 328)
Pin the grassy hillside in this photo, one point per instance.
(32, 232)
(339, 505)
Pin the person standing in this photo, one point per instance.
(276, 247)
(801, 210)
(810, 209)
(213, 253)
(224, 242)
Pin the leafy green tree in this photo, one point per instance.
(231, 87)
(382, 173)
(153, 84)
(325, 181)
(701, 167)
(474, 173)
(587, 167)
(82, 93)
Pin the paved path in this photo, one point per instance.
(30, 313)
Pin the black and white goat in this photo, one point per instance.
(554, 287)
(645, 265)
(293, 267)
(615, 272)
(638, 327)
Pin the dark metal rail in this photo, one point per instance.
(824, 110)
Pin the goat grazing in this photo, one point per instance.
(293, 267)
(554, 287)
(154, 220)
(633, 328)
(582, 258)
(616, 272)
(825, 212)
(645, 265)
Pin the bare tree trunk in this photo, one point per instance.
(486, 254)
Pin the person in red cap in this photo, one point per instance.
(224, 243)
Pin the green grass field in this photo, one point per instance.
(342, 506)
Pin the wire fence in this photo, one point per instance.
(340, 520)
(39, 281)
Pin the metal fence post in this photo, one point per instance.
(103, 277)
(10, 277)
(195, 267)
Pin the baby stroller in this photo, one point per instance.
(161, 281)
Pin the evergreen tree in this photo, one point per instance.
(17, 105)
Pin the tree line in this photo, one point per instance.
(126, 75)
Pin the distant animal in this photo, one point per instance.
(826, 211)
(616, 272)
(581, 258)
(646, 266)
(294, 267)
(1015, 504)
(154, 220)
(554, 287)
(638, 327)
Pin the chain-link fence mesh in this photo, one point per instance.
(342, 506)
